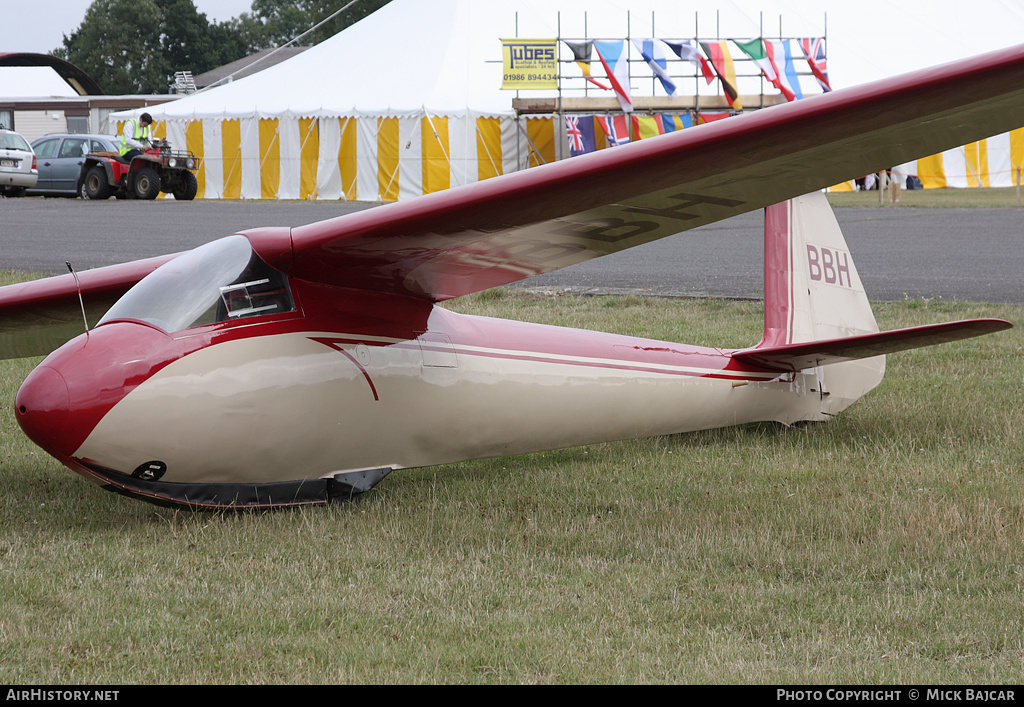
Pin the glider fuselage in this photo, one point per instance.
(219, 381)
(371, 381)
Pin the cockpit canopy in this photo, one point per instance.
(217, 282)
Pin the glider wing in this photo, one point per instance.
(500, 230)
(505, 229)
(38, 316)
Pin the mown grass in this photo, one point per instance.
(886, 546)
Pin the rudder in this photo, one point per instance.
(813, 293)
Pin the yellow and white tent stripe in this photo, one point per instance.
(365, 158)
(386, 158)
(993, 162)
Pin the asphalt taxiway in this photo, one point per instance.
(971, 254)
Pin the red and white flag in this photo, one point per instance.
(613, 56)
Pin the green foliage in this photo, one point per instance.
(275, 22)
(118, 44)
(190, 42)
(134, 46)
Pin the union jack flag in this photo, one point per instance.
(579, 129)
(572, 131)
(814, 52)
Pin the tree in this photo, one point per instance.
(190, 42)
(133, 46)
(273, 23)
(118, 44)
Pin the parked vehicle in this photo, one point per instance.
(158, 169)
(61, 158)
(17, 164)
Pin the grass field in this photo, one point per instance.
(886, 546)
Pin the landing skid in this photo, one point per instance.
(338, 489)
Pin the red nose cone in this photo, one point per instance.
(42, 409)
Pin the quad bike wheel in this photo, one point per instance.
(95, 184)
(146, 184)
(186, 187)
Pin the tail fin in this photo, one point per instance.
(812, 292)
(817, 318)
(811, 287)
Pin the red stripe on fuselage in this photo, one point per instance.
(493, 338)
(336, 345)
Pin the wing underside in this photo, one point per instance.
(38, 316)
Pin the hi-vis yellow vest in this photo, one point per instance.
(137, 132)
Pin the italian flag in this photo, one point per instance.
(755, 50)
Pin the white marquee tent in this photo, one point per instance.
(399, 104)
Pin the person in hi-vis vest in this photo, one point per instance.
(135, 136)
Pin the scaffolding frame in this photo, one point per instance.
(697, 103)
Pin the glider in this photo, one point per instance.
(279, 367)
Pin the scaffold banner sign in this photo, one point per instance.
(529, 64)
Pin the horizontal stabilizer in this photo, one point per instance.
(798, 357)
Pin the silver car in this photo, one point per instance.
(60, 159)
(17, 164)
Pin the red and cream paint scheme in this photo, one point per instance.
(292, 366)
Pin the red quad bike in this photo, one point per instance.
(158, 169)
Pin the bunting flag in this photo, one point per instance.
(582, 51)
(613, 57)
(710, 117)
(721, 59)
(781, 56)
(687, 52)
(756, 51)
(615, 129)
(645, 126)
(653, 52)
(678, 121)
(814, 53)
(579, 129)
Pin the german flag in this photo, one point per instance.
(721, 59)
